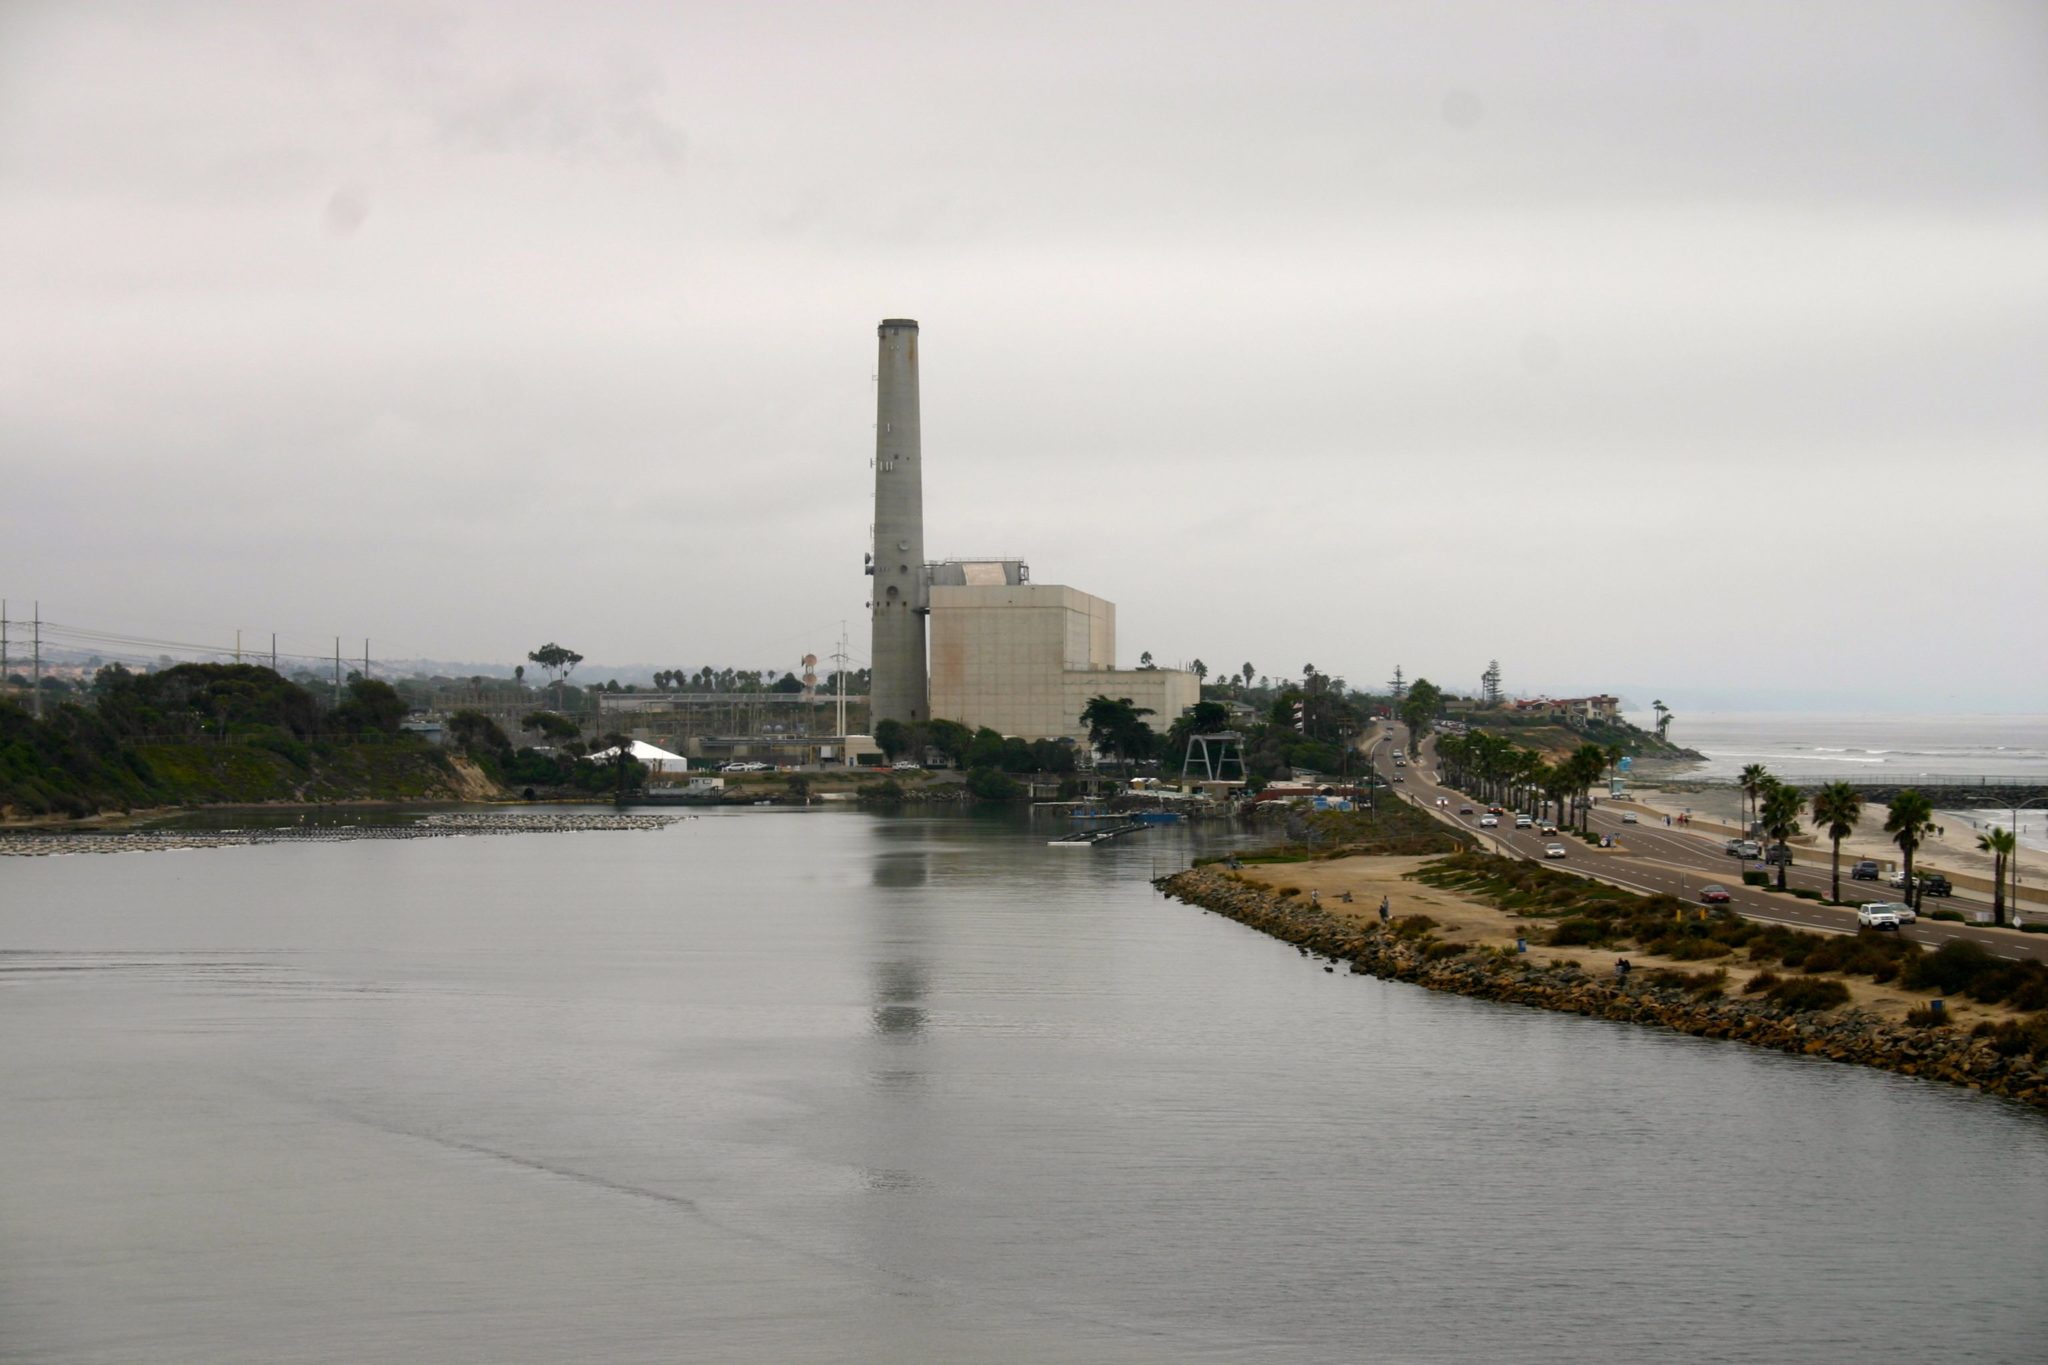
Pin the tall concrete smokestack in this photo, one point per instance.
(898, 687)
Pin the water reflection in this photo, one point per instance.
(899, 992)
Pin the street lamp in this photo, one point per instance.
(2014, 869)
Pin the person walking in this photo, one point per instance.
(1386, 911)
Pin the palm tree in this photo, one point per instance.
(1836, 808)
(1586, 764)
(2000, 844)
(1910, 822)
(1753, 780)
(1781, 821)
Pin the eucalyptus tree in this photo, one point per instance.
(1910, 822)
(1419, 709)
(1836, 809)
(1781, 803)
(2001, 844)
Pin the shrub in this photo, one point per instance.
(1437, 951)
(1799, 994)
(1755, 878)
(1953, 916)
(1926, 1016)
(1288, 891)
(1578, 930)
(1949, 969)
(1413, 926)
(1806, 893)
(1761, 982)
(1692, 949)
(989, 785)
(1705, 984)
(2035, 928)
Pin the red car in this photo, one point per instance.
(1714, 895)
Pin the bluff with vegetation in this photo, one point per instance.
(203, 734)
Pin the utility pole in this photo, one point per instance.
(3, 642)
(38, 680)
(273, 651)
(238, 647)
(337, 670)
(366, 660)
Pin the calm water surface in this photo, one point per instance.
(829, 1086)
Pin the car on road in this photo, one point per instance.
(1547, 828)
(1897, 881)
(1523, 822)
(1865, 871)
(744, 767)
(1778, 853)
(1488, 821)
(1713, 895)
(1876, 915)
(1628, 817)
(1553, 850)
(1906, 914)
(1743, 848)
(1934, 884)
(1397, 778)
(1464, 810)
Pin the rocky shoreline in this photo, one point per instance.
(1946, 1055)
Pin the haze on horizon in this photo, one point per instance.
(1687, 348)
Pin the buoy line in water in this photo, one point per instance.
(440, 825)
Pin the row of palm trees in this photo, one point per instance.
(1505, 773)
(1838, 807)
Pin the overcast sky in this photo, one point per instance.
(1700, 350)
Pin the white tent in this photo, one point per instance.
(657, 759)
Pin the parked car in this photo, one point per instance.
(1877, 915)
(1905, 913)
(1553, 850)
(904, 765)
(1713, 895)
(1865, 871)
(744, 766)
(1934, 884)
(1488, 821)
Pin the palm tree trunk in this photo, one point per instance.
(1998, 889)
(1837, 873)
(1781, 863)
(1912, 890)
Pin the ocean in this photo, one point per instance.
(1864, 748)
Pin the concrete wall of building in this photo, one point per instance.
(899, 595)
(1025, 659)
(1166, 692)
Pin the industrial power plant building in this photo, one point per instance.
(1021, 658)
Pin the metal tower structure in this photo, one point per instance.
(900, 600)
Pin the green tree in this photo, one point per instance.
(552, 725)
(1837, 807)
(892, 737)
(372, 707)
(1145, 659)
(1200, 670)
(1117, 727)
(559, 663)
(1910, 821)
(950, 738)
(2001, 844)
(1754, 779)
(1781, 803)
(1419, 710)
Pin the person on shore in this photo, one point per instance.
(1667, 822)
(1315, 898)
(1386, 910)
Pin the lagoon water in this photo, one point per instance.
(792, 1086)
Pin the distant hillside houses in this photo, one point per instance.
(1604, 709)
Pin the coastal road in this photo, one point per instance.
(1654, 859)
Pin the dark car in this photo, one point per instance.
(1464, 810)
(1714, 895)
(1778, 853)
(1865, 871)
(1934, 884)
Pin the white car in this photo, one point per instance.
(1523, 822)
(1553, 850)
(1897, 881)
(1628, 817)
(904, 765)
(744, 767)
(1899, 910)
(1488, 821)
(1876, 915)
